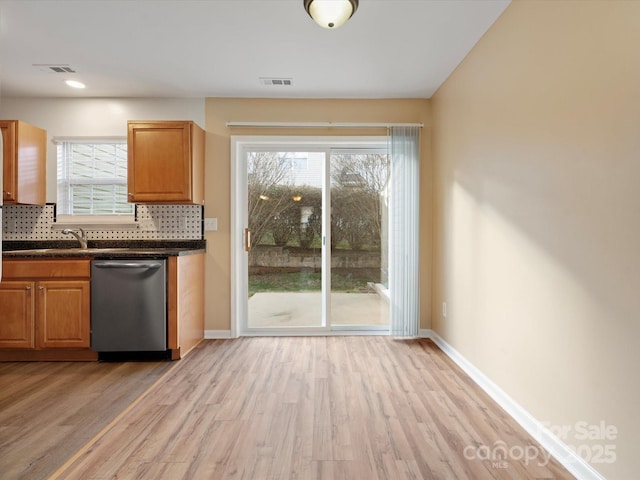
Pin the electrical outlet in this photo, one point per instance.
(444, 309)
(210, 224)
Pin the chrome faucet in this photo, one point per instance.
(80, 235)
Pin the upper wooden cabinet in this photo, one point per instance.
(165, 162)
(24, 163)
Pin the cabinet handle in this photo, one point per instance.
(40, 288)
(247, 239)
(8, 194)
(131, 194)
(27, 288)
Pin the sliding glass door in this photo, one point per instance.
(284, 239)
(359, 239)
(315, 238)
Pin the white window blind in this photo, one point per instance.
(92, 177)
(404, 234)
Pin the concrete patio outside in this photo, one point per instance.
(303, 309)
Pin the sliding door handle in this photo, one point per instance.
(247, 239)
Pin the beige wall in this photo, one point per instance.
(217, 181)
(536, 148)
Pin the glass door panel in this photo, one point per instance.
(359, 240)
(284, 192)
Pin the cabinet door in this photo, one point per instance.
(32, 159)
(24, 163)
(9, 167)
(159, 162)
(17, 318)
(63, 314)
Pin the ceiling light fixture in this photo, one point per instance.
(330, 13)
(75, 84)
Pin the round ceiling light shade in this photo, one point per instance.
(330, 13)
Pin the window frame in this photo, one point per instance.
(122, 220)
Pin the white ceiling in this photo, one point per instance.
(220, 48)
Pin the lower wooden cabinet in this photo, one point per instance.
(57, 316)
(17, 320)
(45, 310)
(186, 303)
(63, 314)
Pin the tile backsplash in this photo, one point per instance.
(153, 222)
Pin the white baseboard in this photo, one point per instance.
(425, 333)
(217, 334)
(556, 447)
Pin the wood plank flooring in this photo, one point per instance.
(312, 408)
(50, 410)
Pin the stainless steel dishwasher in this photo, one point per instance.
(129, 305)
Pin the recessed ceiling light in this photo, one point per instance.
(75, 84)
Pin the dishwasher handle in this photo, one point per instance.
(153, 265)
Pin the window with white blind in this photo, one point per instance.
(92, 177)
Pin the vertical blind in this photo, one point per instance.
(404, 234)
(92, 178)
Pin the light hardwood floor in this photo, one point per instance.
(311, 408)
(50, 410)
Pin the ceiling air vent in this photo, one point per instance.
(54, 68)
(287, 82)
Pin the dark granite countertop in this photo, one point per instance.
(102, 248)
